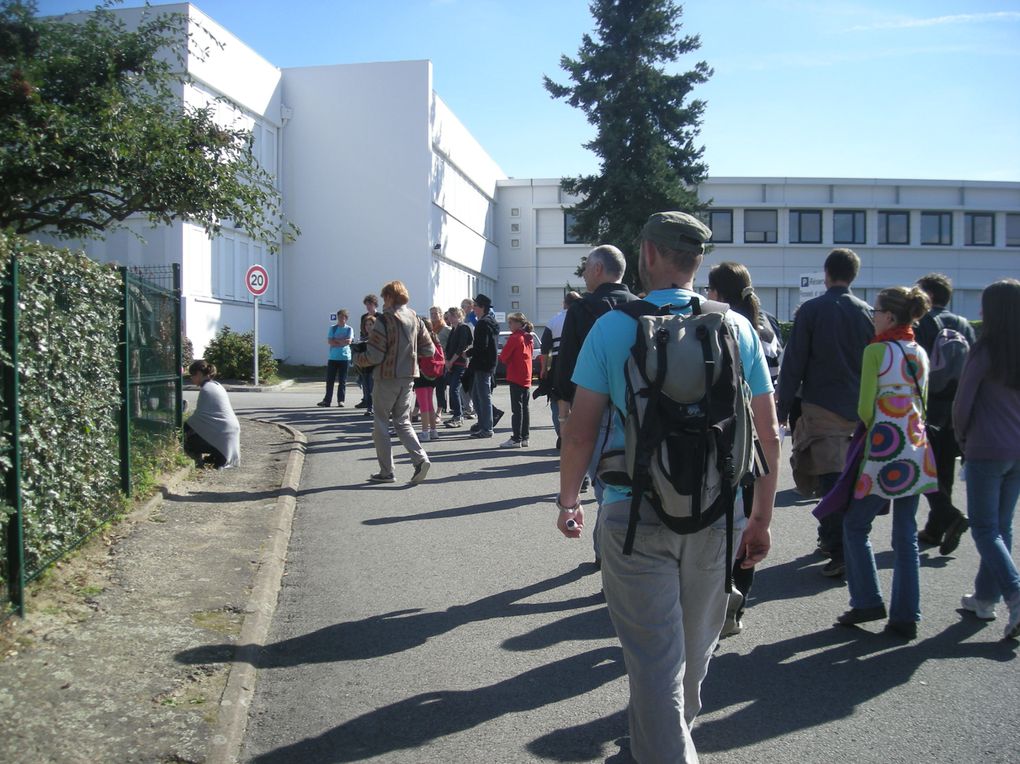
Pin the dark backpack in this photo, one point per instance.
(690, 439)
(949, 352)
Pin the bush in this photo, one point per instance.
(187, 352)
(231, 354)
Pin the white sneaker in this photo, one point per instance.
(433, 434)
(510, 443)
(524, 443)
(423, 437)
(982, 609)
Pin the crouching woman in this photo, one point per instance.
(212, 435)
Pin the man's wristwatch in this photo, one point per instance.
(572, 509)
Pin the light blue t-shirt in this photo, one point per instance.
(606, 349)
(340, 333)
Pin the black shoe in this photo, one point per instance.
(475, 427)
(322, 404)
(496, 416)
(823, 549)
(585, 484)
(901, 629)
(951, 539)
(927, 537)
(857, 615)
(362, 405)
(834, 568)
(557, 442)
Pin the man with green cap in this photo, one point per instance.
(667, 600)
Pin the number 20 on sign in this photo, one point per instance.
(257, 280)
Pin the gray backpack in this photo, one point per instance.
(948, 354)
(689, 435)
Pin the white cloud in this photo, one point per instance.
(960, 18)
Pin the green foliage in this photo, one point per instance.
(646, 126)
(93, 130)
(67, 373)
(187, 352)
(232, 355)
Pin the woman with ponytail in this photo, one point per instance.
(986, 418)
(212, 429)
(897, 465)
(731, 283)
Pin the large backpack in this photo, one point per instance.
(948, 355)
(431, 367)
(690, 439)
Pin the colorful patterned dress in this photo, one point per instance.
(898, 459)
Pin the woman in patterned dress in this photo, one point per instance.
(898, 465)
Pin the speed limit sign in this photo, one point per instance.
(257, 280)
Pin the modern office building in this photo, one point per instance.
(386, 183)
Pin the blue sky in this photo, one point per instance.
(868, 89)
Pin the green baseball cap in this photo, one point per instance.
(677, 231)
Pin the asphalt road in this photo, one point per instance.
(450, 622)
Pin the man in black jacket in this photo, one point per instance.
(603, 277)
(945, 523)
(823, 361)
(482, 363)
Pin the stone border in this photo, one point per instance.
(232, 718)
(237, 387)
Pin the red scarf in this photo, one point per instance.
(905, 333)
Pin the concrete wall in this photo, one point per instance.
(358, 167)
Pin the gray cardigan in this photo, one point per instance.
(215, 421)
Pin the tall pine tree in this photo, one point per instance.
(645, 120)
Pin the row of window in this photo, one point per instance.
(848, 227)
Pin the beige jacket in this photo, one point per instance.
(397, 340)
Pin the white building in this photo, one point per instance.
(385, 183)
(782, 228)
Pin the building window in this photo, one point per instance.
(848, 227)
(721, 223)
(515, 243)
(515, 212)
(233, 253)
(514, 228)
(978, 229)
(569, 219)
(893, 227)
(761, 226)
(1012, 230)
(805, 226)
(937, 228)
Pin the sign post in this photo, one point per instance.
(257, 281)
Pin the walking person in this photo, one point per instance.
(371, 303)
(946, 523)
(339, 340)
(731, 283)
(667, 601)
(392, 350)
(822, 368)
(986, 417)
(457, 345)
(897, 466)
(483, 355)
(516, 356)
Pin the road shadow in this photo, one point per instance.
(390, 633)
(412, 723)
(466, 511)
(823, 677)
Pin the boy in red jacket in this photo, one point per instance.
(516, 357)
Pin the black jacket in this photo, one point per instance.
(483, 350)
(823, 356)
(458, 341)
(579, 320)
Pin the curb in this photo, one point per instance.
(232, 717)
(237, 388)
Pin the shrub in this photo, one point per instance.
(231, 354)
(187, 352)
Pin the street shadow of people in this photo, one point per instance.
(840, 671)
(412, 723)
(393, 632)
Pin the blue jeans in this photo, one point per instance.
(993, 487)
(481, 393)
(861, 574)
(453, 384)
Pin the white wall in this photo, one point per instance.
(356, 181)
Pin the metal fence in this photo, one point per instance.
(150, 412)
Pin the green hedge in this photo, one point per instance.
(69, 397)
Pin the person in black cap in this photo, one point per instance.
(484, 355)
(667, 601)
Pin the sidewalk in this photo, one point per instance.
(89, 675)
